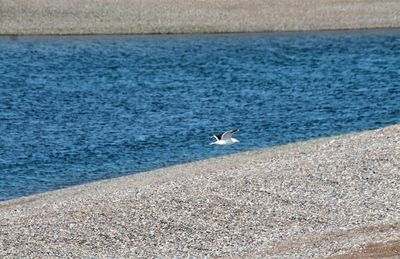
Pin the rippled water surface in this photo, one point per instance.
(79, 109)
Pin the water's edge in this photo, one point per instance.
(182, 170)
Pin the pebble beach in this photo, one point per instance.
(60, 17)
(331, 197)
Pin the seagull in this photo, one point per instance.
(225, 138)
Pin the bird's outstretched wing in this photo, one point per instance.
(227, 135)
(217, 137)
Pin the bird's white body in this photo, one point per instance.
(225, 138)
(225, 142)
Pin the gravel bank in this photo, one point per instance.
(319, 198)
(192, 16)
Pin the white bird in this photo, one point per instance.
(225, 138)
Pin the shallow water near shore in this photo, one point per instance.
(79, 109)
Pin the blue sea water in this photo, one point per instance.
(79, 109)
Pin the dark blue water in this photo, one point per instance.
(79, 109)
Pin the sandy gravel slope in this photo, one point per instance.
(189, 16)
(318, 198)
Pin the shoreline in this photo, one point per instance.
(102, 17)
(359, 30)
(175, 171)
(334, 196)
